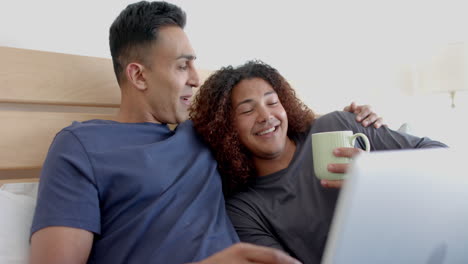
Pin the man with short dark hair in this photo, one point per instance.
(133, 190)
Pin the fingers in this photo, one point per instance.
(260, 254)
(248, 253)
(343, 152)
(332, 184)
(346, 152)
(369, 119)
(363, 112)
(366, 116)
(338, 167)
(379, 122)
(373, 119)
(350, 108)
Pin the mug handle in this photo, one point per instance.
(366, 140)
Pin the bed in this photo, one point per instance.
(40, 93)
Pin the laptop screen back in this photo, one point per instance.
(408, 206)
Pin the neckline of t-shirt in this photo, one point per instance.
(275, 176)
(113, 122)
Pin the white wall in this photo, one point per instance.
(332, 51)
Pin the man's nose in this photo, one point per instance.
(194, 79)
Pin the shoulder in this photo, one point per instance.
(239, 201)
(186, 135)
(337, 120)
(78, 126)
(66, 144)
(336, 116)
(240, 206)
(78, 129)
(185, 127)
(86, 132)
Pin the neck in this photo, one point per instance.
(133, 109)
(268, 166)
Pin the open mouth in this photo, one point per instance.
(267, 131)
(186, 100)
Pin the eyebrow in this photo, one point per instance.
(250, 100)
(187, 56)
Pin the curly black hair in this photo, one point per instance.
(212, 115)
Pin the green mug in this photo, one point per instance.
(323, 145)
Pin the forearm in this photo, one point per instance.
(385, 139)
(248, 253)
(62, 245)
(429, 143)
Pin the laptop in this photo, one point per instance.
(406, 206)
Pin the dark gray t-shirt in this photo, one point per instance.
(289, 209)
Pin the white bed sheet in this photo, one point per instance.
(17, 203)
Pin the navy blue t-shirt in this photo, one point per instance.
(149, 194)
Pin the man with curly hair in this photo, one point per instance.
(260, 134)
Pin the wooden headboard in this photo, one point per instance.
(43, 92)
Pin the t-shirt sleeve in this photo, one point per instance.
(249, 228)
(67, 194)
(382, 138)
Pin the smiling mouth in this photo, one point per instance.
(264, 132)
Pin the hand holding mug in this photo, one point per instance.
(340, 167)
(332, 153)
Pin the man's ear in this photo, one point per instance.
(134, 72)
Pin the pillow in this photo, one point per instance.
(26, 188)
(16, 212)
(405, 128)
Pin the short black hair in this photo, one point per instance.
(136, 28)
